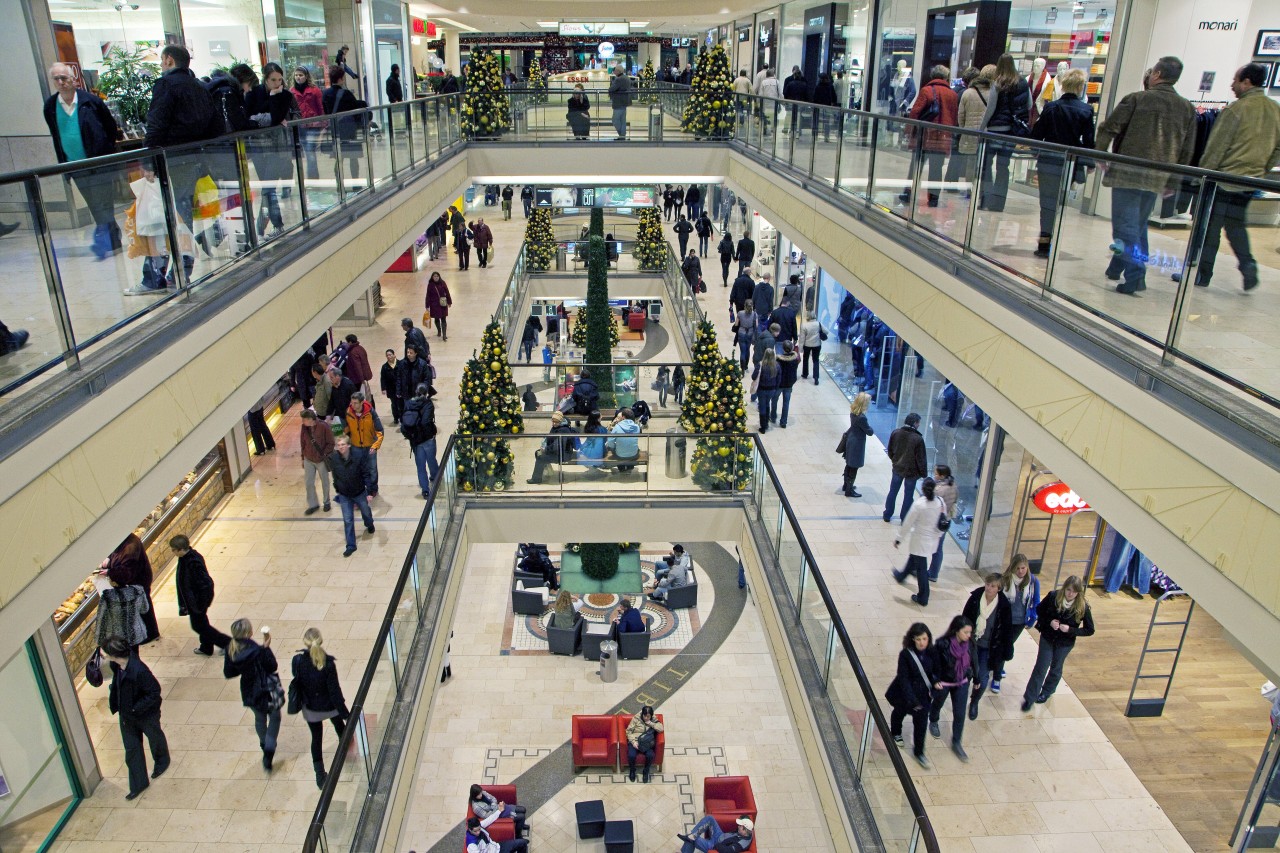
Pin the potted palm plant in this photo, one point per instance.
(125, 84)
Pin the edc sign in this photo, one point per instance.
(1058, 499)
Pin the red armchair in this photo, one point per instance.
(595, 741)
(636, 320)
(623, 721)
(727, 798)
(504, 828)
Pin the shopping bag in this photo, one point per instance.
(149, 208)
(207, 202)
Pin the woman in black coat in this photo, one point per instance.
(910, 693)
(271, 105)
(824, 95)
(580, 113)
(855, 442)
(1066, 121)
(316, 675)
(253, 664)
(1008, 113)
(993, 634)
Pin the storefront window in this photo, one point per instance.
(37, 789)
(221, 33)
(389, 18)
(791, 41)
(767, 37)
(303, 34)
(98, 28)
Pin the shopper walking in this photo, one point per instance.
(1158, 125)
(693, 204)
(677, 384)
(705, 229)
(746, 327)
(911, 691)
(620, 99)
(944, 488)
(315, 672)
(811, 335)
(1009, 115)
(255, 666)
(507, 194)
(315, 440)
(789, 367)
(135, 697)
(462, 244)
(920, 530)
(1022, 588)
(1061, 617)
(439, 300)
(683, 229)
(725, 248)
(350, 467)
(854, 442)
(364, 430)
(954, 669)
(1066, 121)
(526, 199)
(746, 252)
(482, 238)
(907, 453)
(387, 382)
(263, 440)
(419, 427)
(989, 611)
(1245, 140)
(194, 586)
(936, 103)
(971, 114)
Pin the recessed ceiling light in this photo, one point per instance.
(638, 25)
(724, 11)
(549, 24)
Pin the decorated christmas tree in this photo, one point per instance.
(485, 110)
(602, 330)
(713, 403)
(651, 245)
(537, 83)
(488, 404)
(648, 83)
(579, 333)
(709, 111)
(539, 240)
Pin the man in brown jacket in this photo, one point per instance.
(316, 442)
(1156, 124)
(907, 453)
(482, 239)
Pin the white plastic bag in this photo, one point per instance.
(149, 215)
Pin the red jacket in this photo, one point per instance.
(437, 290)
(482, 237)
(938, 141)
(310, 101)
(357, 368)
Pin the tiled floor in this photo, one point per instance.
(1046, 781)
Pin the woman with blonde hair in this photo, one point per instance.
(1061, 617)
(1022, 588)
(853, 444)
(255, 666)
(316, 674)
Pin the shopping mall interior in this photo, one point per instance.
(1130, 442)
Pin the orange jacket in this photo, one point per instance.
(364, 427)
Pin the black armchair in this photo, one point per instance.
(565, 641)
(527, 602)
(682, 596)
(634, 645)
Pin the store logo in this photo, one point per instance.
(1219, 25)
(1058, 499)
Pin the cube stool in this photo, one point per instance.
(591, 823)
(619, 837)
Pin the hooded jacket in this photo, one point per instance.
(364, 426)
(624, 448)
(250, 665)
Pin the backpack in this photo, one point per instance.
(412, 427)
(339, 357)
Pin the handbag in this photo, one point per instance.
(295, 697)
(844, 442)
(269, 695)
(444, 302)
(822, 333)
(93, 669)
(647, 742)
(944, 523)
(426, 318)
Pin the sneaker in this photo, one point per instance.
(921, 760)
(200, 651)
(960, 753)
(348, 552)
(898, 740)
(995, 686)
(935, 730)
(143, 290)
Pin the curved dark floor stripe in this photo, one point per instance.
(541, 782)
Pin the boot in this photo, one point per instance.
(321, 775)
(1042, 246)
(267, 755)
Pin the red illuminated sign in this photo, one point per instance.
(423, 28)
(1058, 499)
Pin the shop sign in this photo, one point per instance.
(580, 28)
(605, 50)
(1058, 499)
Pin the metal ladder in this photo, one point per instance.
(1152, 706)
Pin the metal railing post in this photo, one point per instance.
(1064, 186)
(299, 165)
(1190, 268)
(176, 265)
(246, 197)
(975, 191)
(52, 275)
(871, 158)
(337, 160)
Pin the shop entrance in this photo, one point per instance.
(1059, 533)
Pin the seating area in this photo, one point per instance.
(504, 828)
(718, 791)
(601, 741)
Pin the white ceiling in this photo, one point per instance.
(683, 17)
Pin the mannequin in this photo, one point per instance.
(904, 88)
(1053, 91)
(1039, 77)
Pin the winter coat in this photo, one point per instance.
(1158, 125)
(762, 298)
(1048, 611)
(251, 665)
(692, 269)
(181, 110)
(411, 374)
(98, 128)
(273, 155)
(937, 141)
(315, 441)
(562, 444)
(387, 379)
(703, 226)
(310, 101)
(1245, 139)
(1012, 108)
(481, 236)
(973, 108)
(619, 91)
(693, 195)
(811, 334)
(769, 379)
(351, 476)
(228, 105)
(946, 489)
(339, 100)
(120, 612)
(944, 663)
(624, 448)
(920, 527)
(788, 367)
(364, 427)
(339, 396)
(425, 429)
(1000, 623)
(319, 688)
(135, 692)
(909, 688)
(438, 289)
(414, 338)
(907, 452)
(1066, 121)
(796, 89)
(855, 442)
(357, 367)
(725, 248)
(193, 583)
(742, 290)
(824, 93)
(785, 317)
(395, 92)
(746, 251)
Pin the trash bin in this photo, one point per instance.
(608, 661)
(655, 123)
(676, 444)
(562, 258)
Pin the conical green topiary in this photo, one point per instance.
(713, 403)
(597, 222)
(602, 331)
(651, 245)
(485, 110)
(488, 404)
(539, 240)
(709, 112)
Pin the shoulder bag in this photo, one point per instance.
(944, 523)
(269, 695)
(844, 441)
(93, 669)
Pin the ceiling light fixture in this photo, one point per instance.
(549, 24)
(637, 25)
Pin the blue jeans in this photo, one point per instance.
(767, 401)
(744, 354)
(526, 350)
(959, 708)
(700, 843)
(895, 484)
(373, 470)
(786, 405)
(348, 506)
(935, 562)
(620, 121)
(1048, 670)
(267, 726)
(424, 458)
(982, 660)
(1130, 210)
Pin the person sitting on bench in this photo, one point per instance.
(478, 839)
(624, 448)
(483, 804)
(561, 446)
(538, 562)
(676, 575)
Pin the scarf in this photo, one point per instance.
(984, 613)
(960, 654)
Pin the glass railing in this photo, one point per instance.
(102, 244)
(477, 468)
(552, 384)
